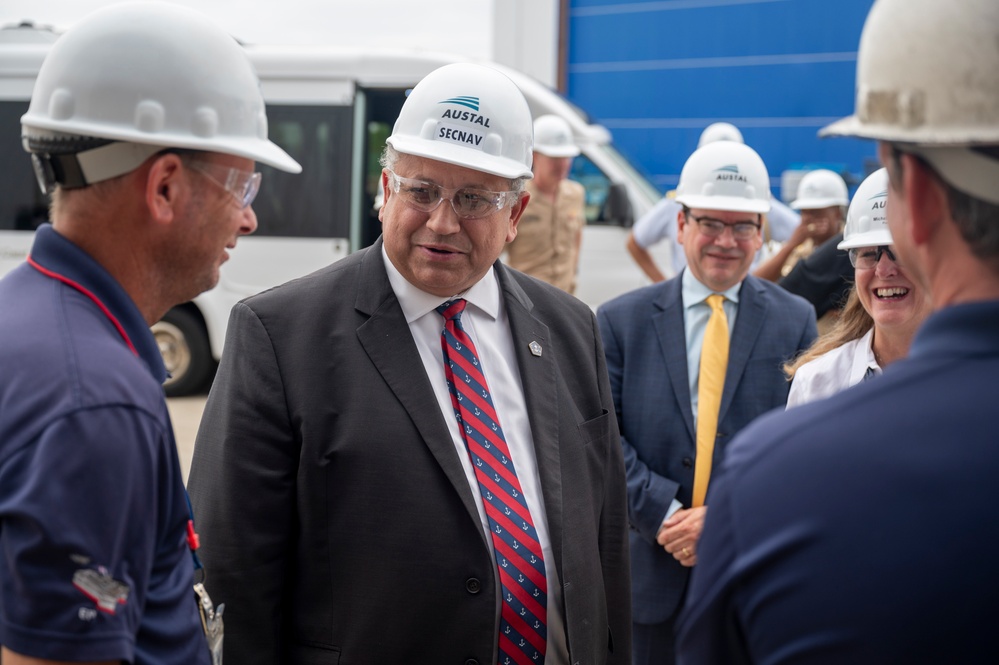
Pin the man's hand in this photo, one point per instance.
(680, 533)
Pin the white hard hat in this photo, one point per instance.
(144, 76)
(553, 137)
(719, 131)
(725, 175)
(469, 115)
(926, 77)
(821, 188)
(866, 221)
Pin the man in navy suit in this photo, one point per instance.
(861, 529)
(653, 339)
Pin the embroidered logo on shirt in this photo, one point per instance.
(100, 587)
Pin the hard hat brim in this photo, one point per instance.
(726, 203)
(817, 204)
(459, 156)
(259, 150)
(561, 151)
(869, 239)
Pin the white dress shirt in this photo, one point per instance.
(696, 312)
(485, 320)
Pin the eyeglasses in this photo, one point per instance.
(243, 185)
(714, 228)
(467, 202)
(866, 258)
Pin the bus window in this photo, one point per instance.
(23, 207)
(316, 202)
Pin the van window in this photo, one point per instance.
(589, 175)
(23, 207)
(316, 202)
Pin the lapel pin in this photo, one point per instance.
(535, 349)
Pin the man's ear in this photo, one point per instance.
(926, 198)
(681, 221)
(165, 184)
(516, 212)
(386, 194)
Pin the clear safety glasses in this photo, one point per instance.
(714, 228)
(467, 202)
(865, 258)
(243, 185)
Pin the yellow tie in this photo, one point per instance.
(710, 383)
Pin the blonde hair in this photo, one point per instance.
(853, 323)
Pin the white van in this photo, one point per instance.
(331, 109)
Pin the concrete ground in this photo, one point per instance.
(185, 412)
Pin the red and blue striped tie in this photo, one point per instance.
(521, 564)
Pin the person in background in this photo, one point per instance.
(823, 278)
(821, 202)
(861, 528)
(881, 316)
(550, 232)
(659, 223)
(692, 361)
(150, 167)
(411, 455)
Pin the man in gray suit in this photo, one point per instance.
(363, 500)
(692, 361)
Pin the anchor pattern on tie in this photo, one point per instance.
(520, 561)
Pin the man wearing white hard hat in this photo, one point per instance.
(861, 529)
(150, 169)
(821, 201)
(659, 223)
(551, 229)
(692, 361)
(409, 456)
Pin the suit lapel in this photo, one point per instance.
(386, 338)
(668, 322)
(539, 378)
(749, 322)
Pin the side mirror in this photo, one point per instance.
(617, 209)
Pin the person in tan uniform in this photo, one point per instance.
(551, 229)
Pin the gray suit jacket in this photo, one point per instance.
(337, 523)
(645, 343)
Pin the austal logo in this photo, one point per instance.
(470, 102)
(729, 172)
(882, 195)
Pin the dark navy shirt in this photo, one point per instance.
(93, 514)
(863, 528)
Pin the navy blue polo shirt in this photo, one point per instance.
(93, 514)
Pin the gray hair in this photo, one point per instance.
(976, 220)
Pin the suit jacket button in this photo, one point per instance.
(471, 661)
(687, 462)
(473, 585)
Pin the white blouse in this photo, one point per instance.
(834, 371)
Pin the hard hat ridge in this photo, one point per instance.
(468, 115)
(866, 220)
(821, 188)
(725, 175)
(150, 74)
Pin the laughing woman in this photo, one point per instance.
(881, 316)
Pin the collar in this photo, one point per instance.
(959, 331)
(416, 303)
(694, 292)
(59, 255)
